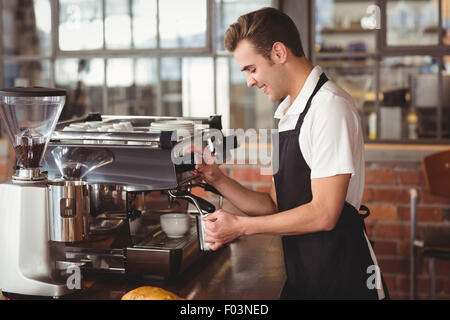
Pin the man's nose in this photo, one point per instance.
(250, 81)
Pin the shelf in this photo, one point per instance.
(401, 150)
(345, 54)
(355, 29)
(428, 29)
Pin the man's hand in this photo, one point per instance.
(222, 227)
(208, 170)
(210, 173)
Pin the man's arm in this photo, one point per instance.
(253, 203)
(321, 214)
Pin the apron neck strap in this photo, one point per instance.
(322, 80)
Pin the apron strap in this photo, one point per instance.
(372, 243)
(323, 78)
(363, 216)
(367, 211)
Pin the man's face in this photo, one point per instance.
(259, 71)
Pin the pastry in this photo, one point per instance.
(150, 293)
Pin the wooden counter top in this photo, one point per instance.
(251, 268)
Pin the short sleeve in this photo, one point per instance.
(334, 130)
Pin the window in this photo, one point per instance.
(339, 29)
(392, 57)
(80, 25)
(137, 57)
(412, 22)
(183, 27)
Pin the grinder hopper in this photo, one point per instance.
(30, 116)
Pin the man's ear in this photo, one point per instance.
(279, 52)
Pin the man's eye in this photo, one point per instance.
(252, 70)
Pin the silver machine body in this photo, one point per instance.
(69, 211)
(107, 222)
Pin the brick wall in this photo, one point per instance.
(387, 195)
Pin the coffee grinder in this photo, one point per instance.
(26, 263)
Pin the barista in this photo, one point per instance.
(319, 185)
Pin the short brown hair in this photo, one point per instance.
(263, 28)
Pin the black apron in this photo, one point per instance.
(326, 264)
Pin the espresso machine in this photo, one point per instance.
(94, 202)
(137, 181)
(26, 262)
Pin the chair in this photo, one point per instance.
(435, 242)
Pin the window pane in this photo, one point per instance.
(409, 105)
(227, 12)
(446, 14)
(120, 80)
(182, 23)
(118, 24)
(144, 23)
(27, 73)
(412, 22)
(346, 26)
(146, 87)
(132, 86)
(357, 77)
(223, 90)
(198, 87)
(84, 80)
(171, 86)
(80, 24)
(122, 32)
(249, 107)
(30, 35)
(186, 86)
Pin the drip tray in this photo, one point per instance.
(163, 256)
(153, 255)
(160, 240)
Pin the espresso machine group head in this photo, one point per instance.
(29, 116)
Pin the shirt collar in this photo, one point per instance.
(299, 103)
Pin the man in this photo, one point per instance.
(319, 185)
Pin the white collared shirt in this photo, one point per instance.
(331, 137)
